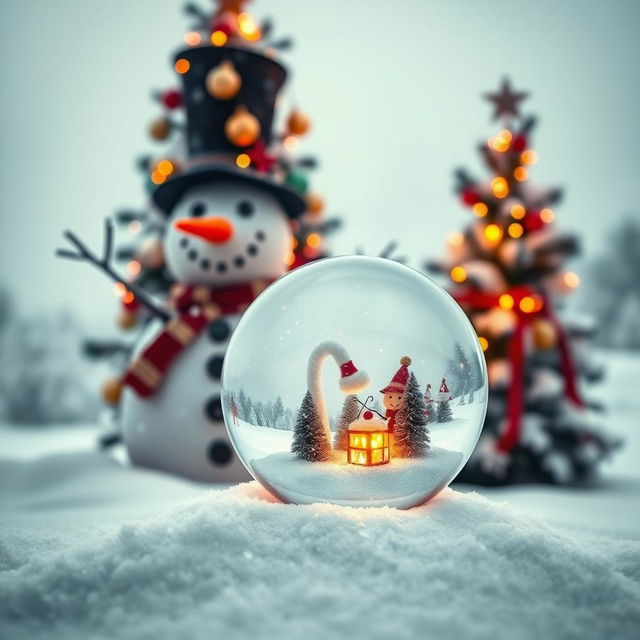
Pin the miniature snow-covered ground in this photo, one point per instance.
(90, 548)
(401, 483)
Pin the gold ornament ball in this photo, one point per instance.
(298, 123)
(544, 334)
(315, 204)
(160, 129)
(242, 128)
(127, 320)
(112, 391)
(223, 82)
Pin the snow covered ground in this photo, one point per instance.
(90, 548)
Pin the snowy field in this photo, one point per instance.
(90, 548)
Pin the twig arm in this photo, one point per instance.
(83, 253)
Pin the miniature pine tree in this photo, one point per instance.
(310, 441)
(411, 436)
(443, 413)
(350, 411)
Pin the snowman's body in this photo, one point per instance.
(218, 235)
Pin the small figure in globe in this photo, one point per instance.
(234, 411)
(393, 393)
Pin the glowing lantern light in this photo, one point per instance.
(515, 230)
(520, 174)
(243, 160)
(493, 233)
(506, 301)
(314, 240)
(458, 274)
(529, 157)
(192, 38)
(499, 187)
(455, 239)
(182, 66)
(248, 28)
(484, 343)
(480, 209)
(527, 304)
(572, 279)
(218, 38)
(517, 211)
(368, 441)
(547, 215)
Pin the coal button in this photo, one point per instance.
(213, 408)
(219, 453)
(219, 330)
(214, 367)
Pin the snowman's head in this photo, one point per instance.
(227, 232)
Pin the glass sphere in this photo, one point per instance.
(356, 381)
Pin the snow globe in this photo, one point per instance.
(355, 381)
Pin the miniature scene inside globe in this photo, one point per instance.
(354, 381)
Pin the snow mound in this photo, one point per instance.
(237, 564)
(401, 483)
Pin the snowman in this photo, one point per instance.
(227, 237)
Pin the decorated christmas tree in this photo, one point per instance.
(507, 269)
(350, 411)
(411, 436)
(309, 438)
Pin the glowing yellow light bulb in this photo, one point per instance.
(218, 38)
(289, 258)
(529, 157)
(192, 38)
(520, 174)
(182, 66)
(119, 289)
(157, 177)
(515, 230)
(291, 143)
(571, 279)
(493, 233)
(248, 28)
(527, 304)
(243, 160)
(547, 215)
(517, 211)
(484, 343)
(501, 141)
(165, 167)
(128, 297)
(506, 301)
(480, 209)
(499, 187)
(133, 267)
(458, 274)
(455, 239)
(314, 240)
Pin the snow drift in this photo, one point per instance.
(236, 564)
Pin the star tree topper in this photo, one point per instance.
(505, 100)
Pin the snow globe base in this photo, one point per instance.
(327, 385)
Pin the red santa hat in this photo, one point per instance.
(399, 380)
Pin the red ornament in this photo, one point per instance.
(222, 25)
(367, 415)
(519, 143)
(172, 99)
(533, 221)
(469, 197)
(260, 159)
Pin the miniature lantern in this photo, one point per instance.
(368, 440)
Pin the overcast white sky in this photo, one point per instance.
(393, 88)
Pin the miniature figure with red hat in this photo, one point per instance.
(394, 392)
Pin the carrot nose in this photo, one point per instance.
(218, 230)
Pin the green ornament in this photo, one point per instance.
(297, 181)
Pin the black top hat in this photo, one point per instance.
(212, 156)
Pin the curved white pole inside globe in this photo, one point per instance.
(349, 382)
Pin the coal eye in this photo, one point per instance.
(198, 209)
(245, 208)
